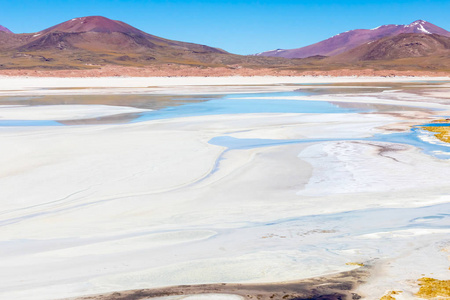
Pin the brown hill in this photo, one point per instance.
(98, 42)
(100, 33)
(348, 40)
(92, 42)
(405, 45)
(94, 24)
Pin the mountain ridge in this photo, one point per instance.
(4, 29)
(92, 23)
(94, 42)
(345, 41)
(103, 33)
(401, 46)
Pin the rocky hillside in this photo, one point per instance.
(348, 40)
(405, 45)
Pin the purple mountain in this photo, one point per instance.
(4, 29)
(348, 40)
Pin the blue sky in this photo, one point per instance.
(242, 27)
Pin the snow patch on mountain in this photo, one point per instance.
(423, 29)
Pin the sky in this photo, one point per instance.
(241, 27)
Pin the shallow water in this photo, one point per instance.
(153, 102)
(28, 123)
(145, 101)
(243, 106)
(414, 137)
(176, 106)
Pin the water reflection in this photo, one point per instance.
(134, 100)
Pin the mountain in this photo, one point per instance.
(404, 45)
(4, 29)
(93, 24)
(95, 41)
(98, 33)
(348, 40)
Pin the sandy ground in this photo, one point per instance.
(180, 70)
(98, 209)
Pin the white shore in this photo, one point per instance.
(111, 82)
(93, 209)
(63, 112)
(94, 85)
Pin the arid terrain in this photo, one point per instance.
(183, 71)
(95, 44)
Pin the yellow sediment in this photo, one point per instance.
(391, 295)
(431, 288)
(441, 132)
(355, 264)
(441, 121)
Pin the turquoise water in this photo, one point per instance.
(252, 103)
(33, 123)
(435, 124)
(411, 138)
(202, 106)
(227, 105)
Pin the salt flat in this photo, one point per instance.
(62, 112)
(222, 195)
(185, 85)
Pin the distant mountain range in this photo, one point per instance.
(346, 41)
(91, 42)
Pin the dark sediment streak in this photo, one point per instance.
(338, 286)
